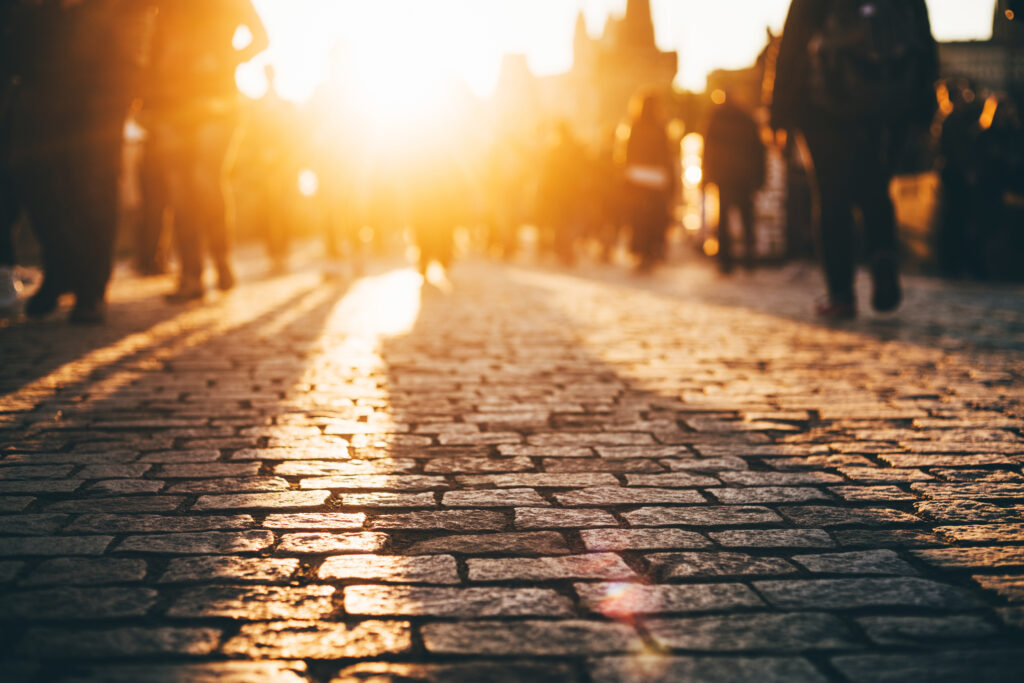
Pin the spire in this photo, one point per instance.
(639, 23)
(580, 39)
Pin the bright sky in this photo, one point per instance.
(404, 40)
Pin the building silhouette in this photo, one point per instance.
(995, 64)
(607, 71)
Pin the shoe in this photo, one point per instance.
(887, 294)
(225, 278)
(186, 292)
(832, 310)
(44, 301)
(10, 289)
(88, 313)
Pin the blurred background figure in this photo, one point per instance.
(192, 107)
(155, 214)
(853, 76)
(80, 75)
(271, 171)
(564, 194)
(10, 79)
(650, 178)
(734, 160)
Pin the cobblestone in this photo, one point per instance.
(598, 479)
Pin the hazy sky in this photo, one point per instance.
(404, 39)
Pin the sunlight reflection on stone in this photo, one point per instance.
(379, 306)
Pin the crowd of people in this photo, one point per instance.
(852, 79)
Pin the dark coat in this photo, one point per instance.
(792, 95)
(733, 151)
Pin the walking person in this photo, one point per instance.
(734, 160)
(192, 106)
(651, 179)
(853, 76)
(68, 129)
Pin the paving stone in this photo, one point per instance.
(54, 545)
(119, 642)
(617, 495)
(886, 538)
(672, 479)
(825, 516)
(969, 511)
(712, 465)
(15, 503)
(473, 603)
(320, 640)
(35, 472)
(1008, 587)
(501, 671)
(772, 538)
(856, 593)
(41, 486)
(972, 491)
(77, 603)
(263, 501)
(128, 505)
(470, 465)
(856, 494)
(230, 485)
(945, 667)
(539, 480)
(9, 570)
(379, 499)
(996, 557)
(338, 452)
(983, 533)
(598, 540)
(140, 524)
(561, 465)
(768, 494)
(316, 520)
(234, 569)
(406, 482)
(75, 571)
(914, 631)
(715, 564)
(864, 562)
(543, 638)
(623, 600)
(525, 543)
(544, 518)
(254, 603)
(493, 498)
(446, 520)
(219, 672)
(324, 542)
(344, 467)
(749, 478)
(704, 669)
(512, 450)
(606, 566)
(121, 487)
(709, 515)
(182, 458)
(391, 568)
(31, 525)
(203, 543)
(779, 633)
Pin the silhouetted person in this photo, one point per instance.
(80, 79)
(734, 160)
(155, 204)
(650, 178)
(10, 77)
(270, 145)
(1000, 173)
(192, 105)
(564, 193)
(957, 244)
(853, 76)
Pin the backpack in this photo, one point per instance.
(868, 61)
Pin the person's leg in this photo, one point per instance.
(215, 150)
(832, 153)
(726, 203)
(881, 244)
(95, 178)
(186, 202)
(746, 208)
(155, 202)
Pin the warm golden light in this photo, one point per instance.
(309, 183)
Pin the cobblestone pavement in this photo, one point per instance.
(533, 476)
